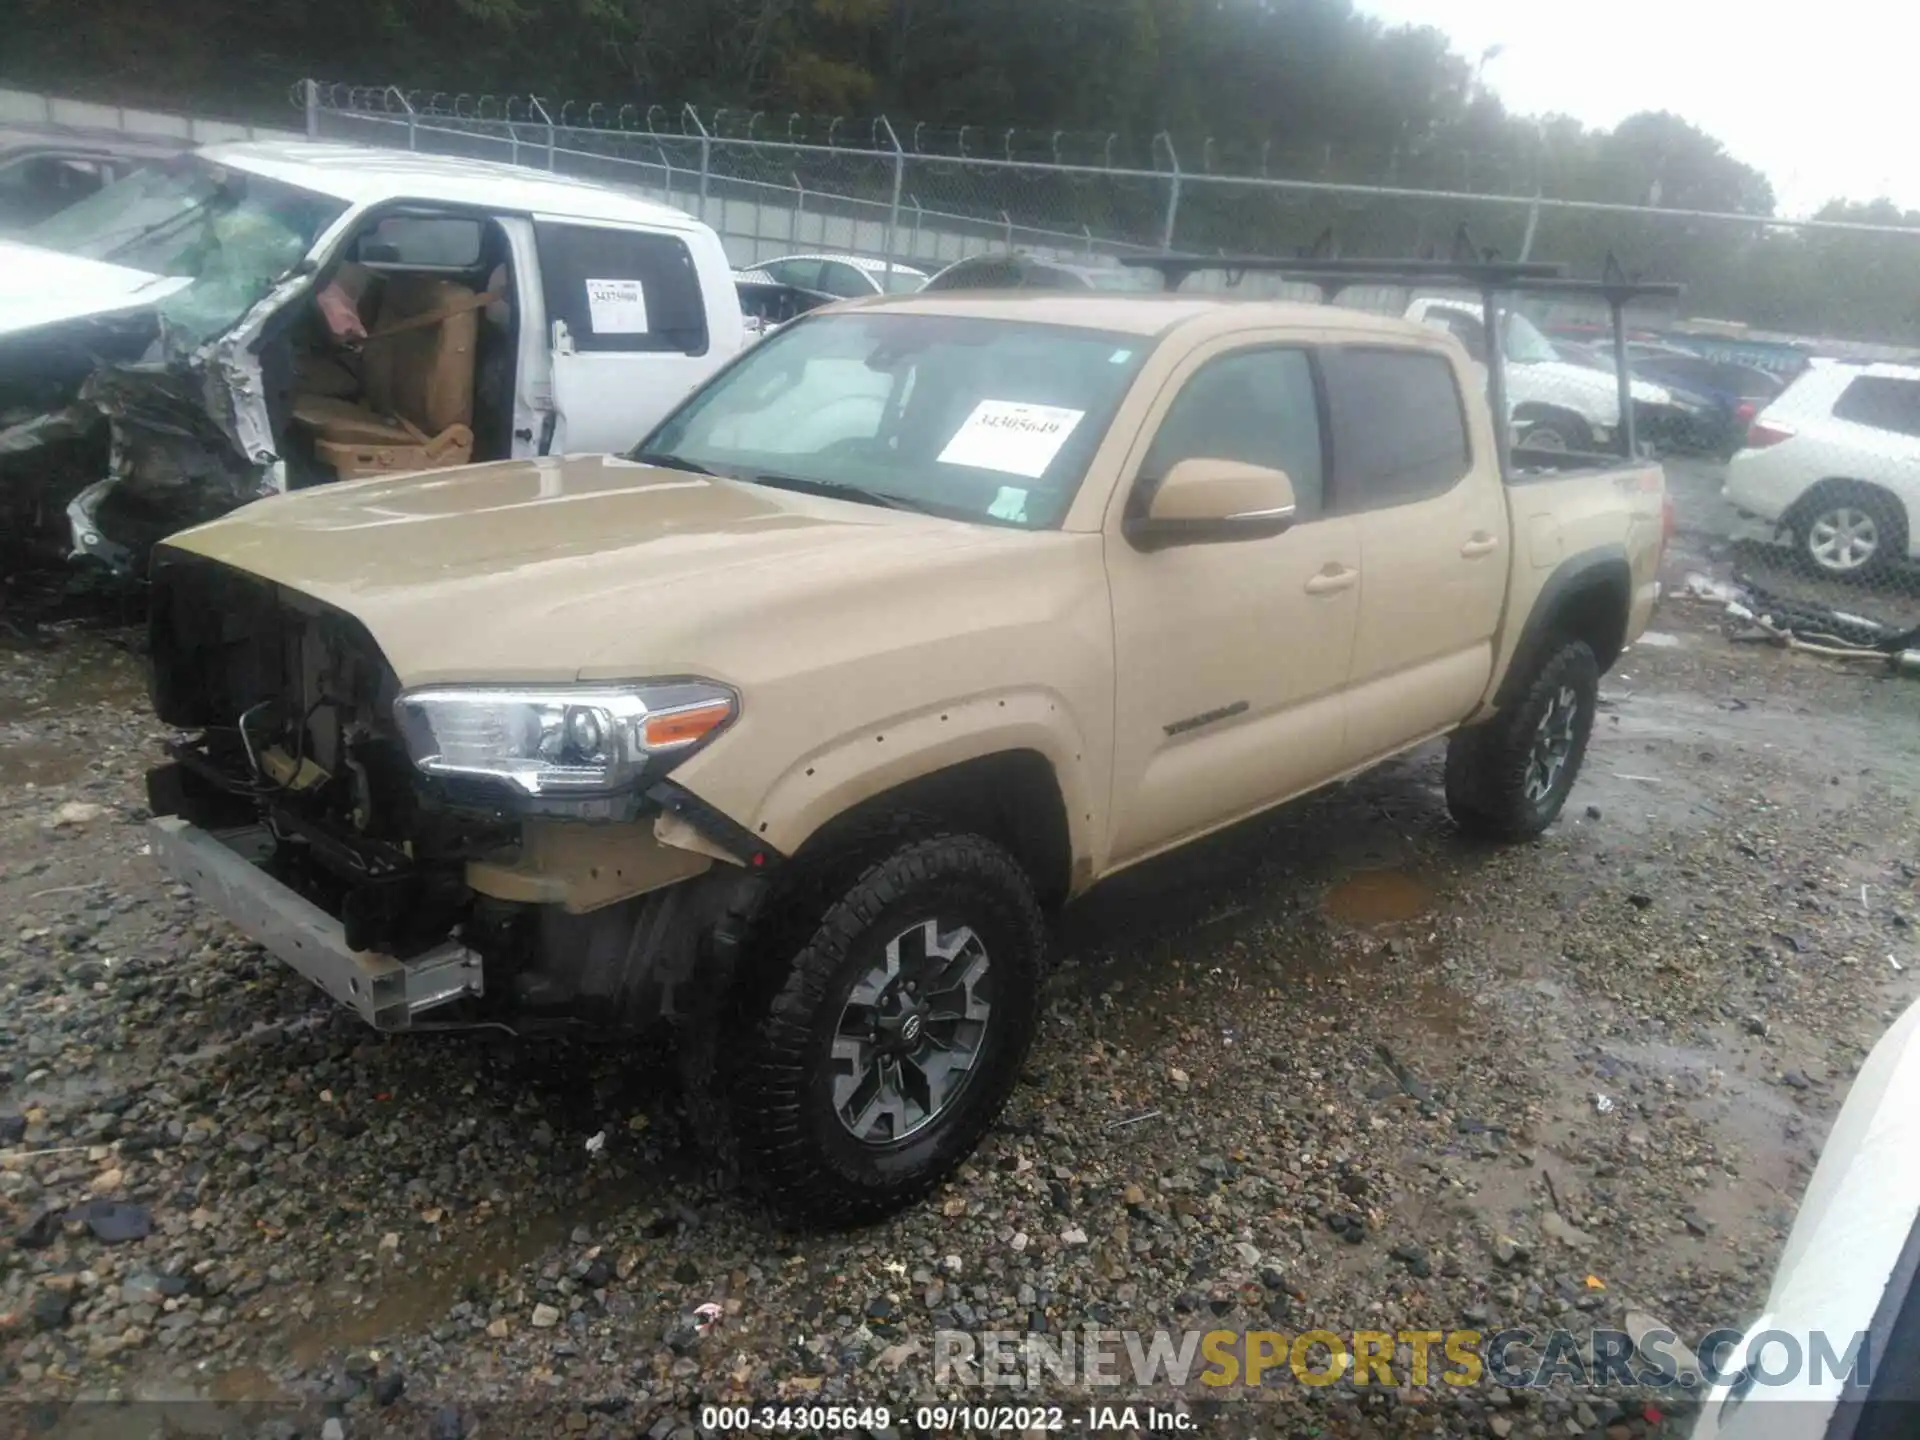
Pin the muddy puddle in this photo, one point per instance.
(1376, 898)
(419, 1297)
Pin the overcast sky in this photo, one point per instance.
(1822, 98)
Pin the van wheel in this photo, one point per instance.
(1509, 778)
(861, 1074)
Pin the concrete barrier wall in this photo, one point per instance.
(23, 107)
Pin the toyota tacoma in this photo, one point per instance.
(922, 617)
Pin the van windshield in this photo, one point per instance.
(230, 232)
(977, 419)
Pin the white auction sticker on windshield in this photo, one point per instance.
(1011, 437)
(617, 307)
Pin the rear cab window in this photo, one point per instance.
(1399, 427)
(621, 290)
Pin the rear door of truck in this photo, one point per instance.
(1414, 465)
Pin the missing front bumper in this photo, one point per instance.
(387, 993)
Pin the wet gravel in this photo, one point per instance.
(1337, 1069)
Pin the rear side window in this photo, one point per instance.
(1882, 402)
(1399, 429)
(622, 290)
(1257, 407)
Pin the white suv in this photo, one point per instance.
(1835, 462)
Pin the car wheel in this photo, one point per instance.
(1852, 533)
(1509, 778)
(862, 1073)
(1557, 433)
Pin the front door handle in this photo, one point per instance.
(1335, 577)
(1481, 544)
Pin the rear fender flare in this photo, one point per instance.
(1604, 567)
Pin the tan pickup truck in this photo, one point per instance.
(923, 616)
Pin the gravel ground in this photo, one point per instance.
(1336, 1069)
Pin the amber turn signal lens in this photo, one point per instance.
(676, 728)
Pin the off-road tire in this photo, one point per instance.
(760, 1077)
(1487, 765)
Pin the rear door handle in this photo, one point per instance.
(1481, 544)
(1331, 580)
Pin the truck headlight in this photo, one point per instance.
(560, 739)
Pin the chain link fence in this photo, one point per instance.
(1794, 457)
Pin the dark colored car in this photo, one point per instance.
(1735, 393)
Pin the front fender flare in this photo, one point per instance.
(853, 768)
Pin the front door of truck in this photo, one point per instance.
(1231, 658)
(627, 328)
(1431, 513)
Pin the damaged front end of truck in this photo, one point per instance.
(398, 847)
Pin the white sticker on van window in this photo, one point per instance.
(617, 307)
(1009, 504)
(1011, 437)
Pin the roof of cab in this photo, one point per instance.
(1145, 313)
(361, 175)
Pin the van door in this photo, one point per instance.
(629, 330)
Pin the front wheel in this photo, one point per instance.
(1509, 778)
(870, 1067)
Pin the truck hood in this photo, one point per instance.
(44, 287)
(594, 567)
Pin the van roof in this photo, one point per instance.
(362, 175)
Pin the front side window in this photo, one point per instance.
(1257, 407)
(231, 232)
(1883, 402)
(989, 420)
(1399, 429)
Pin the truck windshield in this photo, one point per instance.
(230, 232)
(977, 419)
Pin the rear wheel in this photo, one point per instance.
(1509, 778)
(1852, 533)
(863, 1072)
